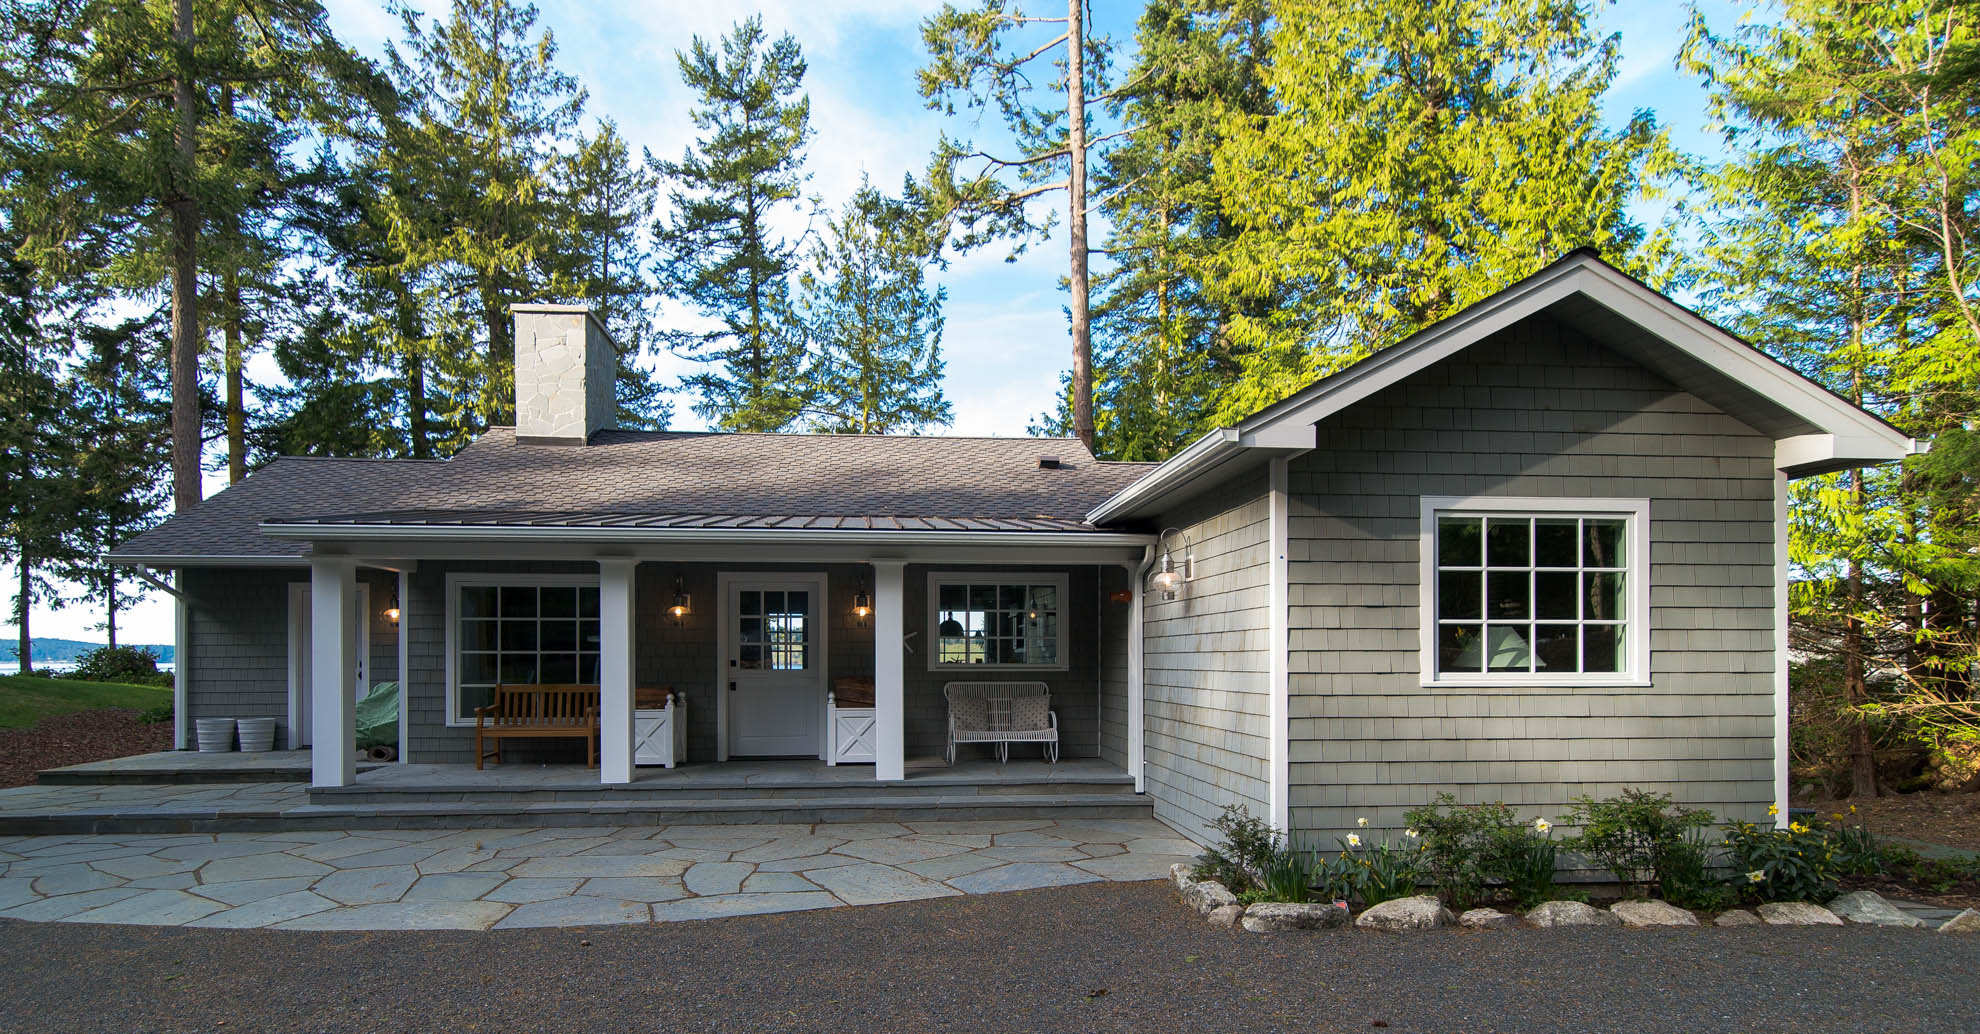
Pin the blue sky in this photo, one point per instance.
(1007, 340)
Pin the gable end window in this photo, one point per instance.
(1535, 591)
(994, 620)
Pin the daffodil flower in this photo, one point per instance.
(1796, 827)
(1354, 840)
(1542, 825)
(1362, 822)
(1410, 833)
(1756, 876)
(1773, 809)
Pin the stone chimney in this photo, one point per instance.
(566, 368)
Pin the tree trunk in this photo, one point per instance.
(184, 207)
(416, 429)
(231, 289)
(22, 606)
(1082, 328)
(110, 603)
(501, 352)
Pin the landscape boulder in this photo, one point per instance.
(1179, 874)
(1652, 913)
(1868, 908)
(1285, 916)
(1797, 913)
(1226, 915)
(1965, 922)
(1422, 912)
(1487, 919)
(1570, 913)
(1736, 917)
(1206, 896)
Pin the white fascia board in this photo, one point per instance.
(724, 536)
(1200, 457)
(1809, 454)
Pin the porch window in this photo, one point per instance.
(990, 621)
(1535, 591)
(519, 633)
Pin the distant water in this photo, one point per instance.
(10, 666)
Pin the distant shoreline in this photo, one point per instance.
(64, 653)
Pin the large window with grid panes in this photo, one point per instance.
(534, 630)
(1525, 591)
(982, 621)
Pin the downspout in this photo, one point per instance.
(1137, 687)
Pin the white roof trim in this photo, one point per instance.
(1854, 435)
(817, 536)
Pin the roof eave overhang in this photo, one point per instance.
(1854, 437)
(697, 536)
(161, 560)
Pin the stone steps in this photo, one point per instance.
(645, 794)
(647, 810)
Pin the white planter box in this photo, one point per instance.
(660, 735)
(851, 730)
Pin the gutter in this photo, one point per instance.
(724, 536)
(1201, 457)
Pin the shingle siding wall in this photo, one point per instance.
(1115, 631)
(1206, 670)
(1538, 411)
(239, 653)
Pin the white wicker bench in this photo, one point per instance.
(1002, 713)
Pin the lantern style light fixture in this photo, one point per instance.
(680, 610)
(862, 605)
(1170, 579)
(392, 612)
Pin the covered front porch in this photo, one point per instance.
(759, 656)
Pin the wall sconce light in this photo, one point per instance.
(862, 605)
(392, 612)
(680, 610)
(1169, 580)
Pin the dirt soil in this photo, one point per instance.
(1952, 819)
(71, 739)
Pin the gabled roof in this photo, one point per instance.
(652, 483)
(1814, 429)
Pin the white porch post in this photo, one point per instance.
(182, 724)
(333, 670)
(889, 670)
(617, 628)
(1136, 699)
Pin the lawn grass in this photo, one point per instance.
(27, 699)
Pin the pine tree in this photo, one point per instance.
(1441, 151)
(484, 111)
(720, 251)
(975, 57)
(39, 488)
(876, 324)
(608, 200)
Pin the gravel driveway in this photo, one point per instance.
(1095, 957)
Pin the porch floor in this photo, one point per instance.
(190, 766)
(751, 774)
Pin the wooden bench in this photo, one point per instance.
(562, 711)
(1002, 713)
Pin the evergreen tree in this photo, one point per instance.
(608, 200)
(39, 488)
(1441, 151)
(976, 56)
(1164, 353)
(472, 209)
(877, 325)
(720, 251)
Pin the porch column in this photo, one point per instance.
(889, 670)
(616, 630)
(333, 670)
(1136, 666)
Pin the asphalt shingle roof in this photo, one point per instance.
(665, 479)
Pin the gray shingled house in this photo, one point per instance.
(1536, 550)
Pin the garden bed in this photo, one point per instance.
(75, 738)
(1952, 819)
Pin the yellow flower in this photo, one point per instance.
(1542, 825)
(1852, 809)
(1412, 834)
(1756, 876)
(1773, 809)
(1354, 840)
(1796, 827)
(1836, 815)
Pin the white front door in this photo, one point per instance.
(773, 633)
(299, 658)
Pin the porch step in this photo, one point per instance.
(645, 810)
(649, 794)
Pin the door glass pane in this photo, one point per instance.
(749, 602)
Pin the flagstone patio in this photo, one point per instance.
(580, 876)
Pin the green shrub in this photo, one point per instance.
(1381, 872)
(1937, 875)
(1288, 876)
(132, 665)
(155, 715)
(1244, 851)
(1685, 877)
(1798, 863)
(1525, 862)
(1460, 846)
(1631, 834)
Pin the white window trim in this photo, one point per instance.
(1636, 567)
(1057, 579)
(455, 580)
